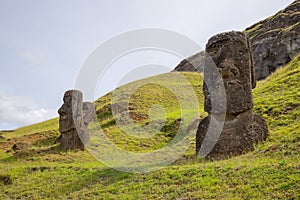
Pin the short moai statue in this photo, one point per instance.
(74, 117)
(229, 67)
(89, 113)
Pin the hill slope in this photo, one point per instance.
(270, 172)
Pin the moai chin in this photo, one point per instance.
(229, 65)
(74, 117)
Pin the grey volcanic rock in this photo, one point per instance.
(194, 63)
(239, 134)
(70, 113)
(228, 81)
(74, 117)
(230, 57)
(275, 40)
(89, 113)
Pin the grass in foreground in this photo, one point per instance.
(272, 171)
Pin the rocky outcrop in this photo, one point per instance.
(275, 41)
(231, 128)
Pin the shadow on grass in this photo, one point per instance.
(103, 177)
(82, 180)
(31, 153)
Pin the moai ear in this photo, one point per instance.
(252, 70)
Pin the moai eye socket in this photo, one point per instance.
(228, 70)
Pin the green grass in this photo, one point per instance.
(51, 124)
(271, 171)
(174, 92)
(278, 100)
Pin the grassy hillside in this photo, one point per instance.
(272, 171)
(282, 22)
(175, 93)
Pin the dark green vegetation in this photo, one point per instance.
(272, 171)
(283, 22)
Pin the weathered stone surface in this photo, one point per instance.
(70, 113)
(71, 140)
(240, 133)
(228, 81)
(20, 146)
(74, 117)
(89, 113)
(228, 63)
(194, 63)
(275, 40)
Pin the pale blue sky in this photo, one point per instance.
(44, 43)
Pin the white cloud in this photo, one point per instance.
(17, 111)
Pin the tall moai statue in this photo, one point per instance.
(74, 117)
(228, 82)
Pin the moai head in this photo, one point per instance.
(89, 113)
(70, 113)
(229, 62)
